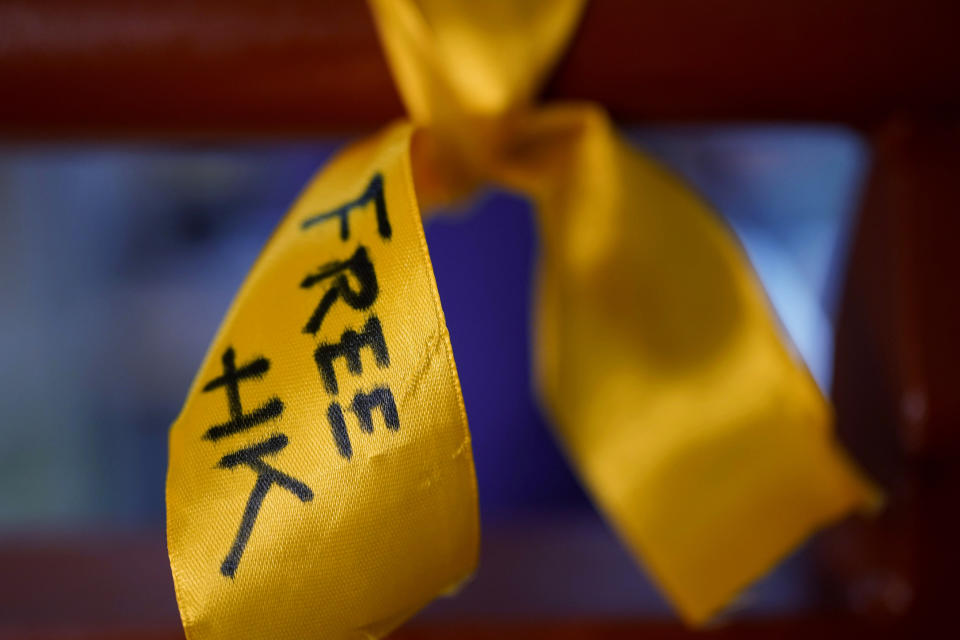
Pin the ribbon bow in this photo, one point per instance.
(321, 477)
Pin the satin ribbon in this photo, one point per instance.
(321, 480)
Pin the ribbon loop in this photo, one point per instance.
(321, 479)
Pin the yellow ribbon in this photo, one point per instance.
(321, 479)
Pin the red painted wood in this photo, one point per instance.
(246, 68)
(897, 382)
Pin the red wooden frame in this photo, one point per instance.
(248, 68)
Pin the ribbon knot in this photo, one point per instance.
(468, 74)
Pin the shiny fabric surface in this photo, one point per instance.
(673, 390)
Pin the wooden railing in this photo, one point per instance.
(249, 68)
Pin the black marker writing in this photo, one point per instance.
(361, 268)
(267, 476)
(363, 406)
(349, 348)
(374, 192)
(231, 378)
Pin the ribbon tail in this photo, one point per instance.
(321, 478)
(690, 419)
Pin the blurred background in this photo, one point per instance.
(138, 184)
